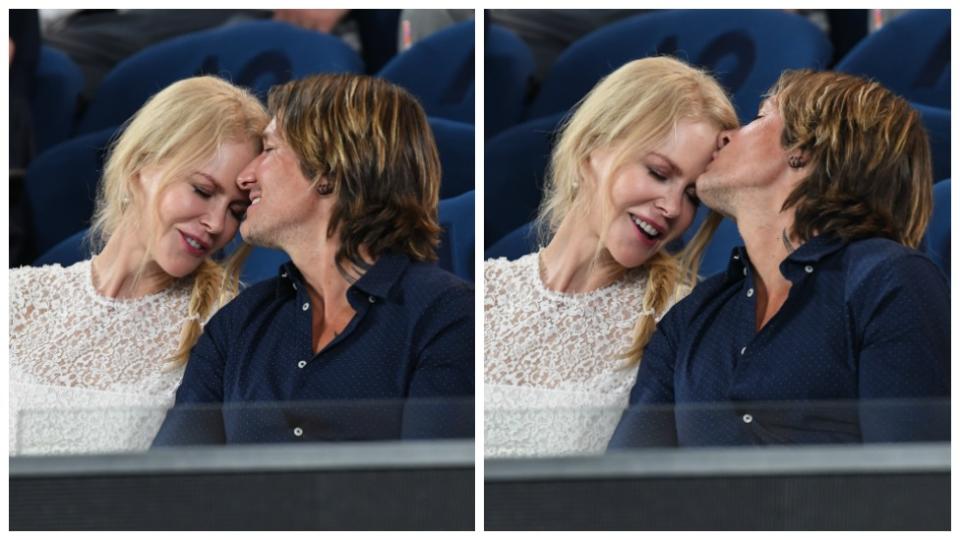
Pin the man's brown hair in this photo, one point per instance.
(371, 141)
(872, 174)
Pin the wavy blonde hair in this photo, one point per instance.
(641, 102)
(178, 129)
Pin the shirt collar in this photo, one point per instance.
(810, 253)
(377, 281)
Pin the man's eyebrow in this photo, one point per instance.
(670, 163)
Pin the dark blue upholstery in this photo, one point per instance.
(910, 55)
(439, 72)
(263, 263)
(938, 231)
(455, 253)
(54, 106)
(745, 49)
(61, 187)
(936, 121)
(455, 144)
(515, 244)
(515, 162)
(717, 255)
(256, 55)
(68, 251)
(507, 69)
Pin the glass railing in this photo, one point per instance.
(577, 431)
(827, 465)
(124, 430)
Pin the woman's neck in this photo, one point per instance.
(122, 269)
(570, 261)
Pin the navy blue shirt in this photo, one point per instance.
(864, 323)
(403, 366)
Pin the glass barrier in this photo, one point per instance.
(123, 430)
(565, 430)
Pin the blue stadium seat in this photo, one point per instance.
(717, 255)
(936, 121)
(515, 162)
(61, 186)
(256, 55)
(455, 253)
(745, 49)
(263, 263)
(439, 72)
(70, 250)
(54, 106)
(938, 231)
(507, 69)
(910, 55)
(455, 145)
(515, 244)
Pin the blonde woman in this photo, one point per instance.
(97, 349)
(565, 327)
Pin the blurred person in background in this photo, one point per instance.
(347, 185)
(99, 39)
(565, 326)
(829, 300)
(97, 349)
(24, 57)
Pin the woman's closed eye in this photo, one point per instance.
(657, 174)
(202, 192)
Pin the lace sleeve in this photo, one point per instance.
(27, 291)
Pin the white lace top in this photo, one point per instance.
(554, 379)
(88, 374)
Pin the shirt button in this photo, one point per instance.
(298, 432)
(743, 351)
(746, 419)
(736, 256)
(306, 306)
(749, 292)
(372, 299)
(744, 270)
(294, 286)
(283, 275)
(808, 269)
(301, 364)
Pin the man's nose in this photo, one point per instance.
(248, 175)
(724, 138)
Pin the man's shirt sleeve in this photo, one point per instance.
(649, 420)
(903, 312)
(196, 417)
(441, 389)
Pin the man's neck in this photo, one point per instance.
(316, 261)
(766, 235)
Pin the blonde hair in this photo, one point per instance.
(178, 128)
(636, 106)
